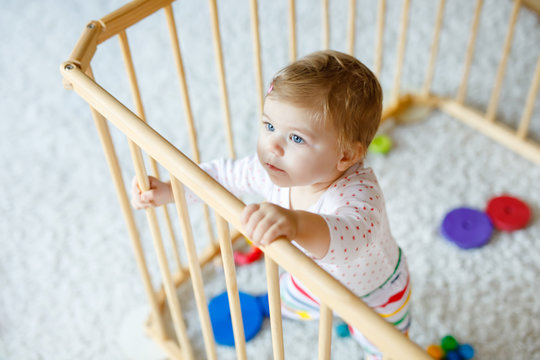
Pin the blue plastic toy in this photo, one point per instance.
(466, 351)
(254, 309)
(452, 355)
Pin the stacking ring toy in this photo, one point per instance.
(381, 144)
(247, 258)
(508, 213)
(253, 311)
(467, 228)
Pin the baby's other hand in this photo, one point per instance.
(265, 222)
(160, 193)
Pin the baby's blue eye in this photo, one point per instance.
(269, 127)
(297, 139)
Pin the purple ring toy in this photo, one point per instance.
(467, 228)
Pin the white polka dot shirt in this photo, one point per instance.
(362, 252)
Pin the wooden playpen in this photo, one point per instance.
(77, 74)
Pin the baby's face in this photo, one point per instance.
(294, 149)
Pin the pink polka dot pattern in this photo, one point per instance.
(362, 252)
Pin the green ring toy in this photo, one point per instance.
(381, 144)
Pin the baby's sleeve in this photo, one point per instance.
(244, 176)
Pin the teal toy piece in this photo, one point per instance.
(254, 309)
(342, 330)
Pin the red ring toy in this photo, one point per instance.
(508, 213)
(247, 258)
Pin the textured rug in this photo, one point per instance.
(70, 287)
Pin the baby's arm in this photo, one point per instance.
(242, 176)
(160, 193)
(265, 222)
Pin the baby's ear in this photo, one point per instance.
(350, 156)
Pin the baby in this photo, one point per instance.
(320, 114)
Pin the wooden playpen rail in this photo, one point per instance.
(183, 171)
(335, 297)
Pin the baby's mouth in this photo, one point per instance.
(273, 168)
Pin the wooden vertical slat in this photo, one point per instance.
(401, 51)
(194, 268)
(114, 168)
(170, 290)
(175, 43)
(494, 100)
(257, 54)
(221, 72)
(352, 26)
(128, 63)
(232, 287)
(381, 12)
(325, 25)
(529, 104)
(325, 332)
(292, 31)
(434, 48)
(470, 52)
(274, 304)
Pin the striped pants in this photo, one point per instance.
(390, 301)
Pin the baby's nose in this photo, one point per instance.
(276, 147)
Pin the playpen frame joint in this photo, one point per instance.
(86, 46)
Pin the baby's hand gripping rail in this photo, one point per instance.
(332, 294)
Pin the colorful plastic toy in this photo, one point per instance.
(435, 351)
(450, 349)
(449, 343)
(254, 309)
(452, 355)
(508, 213)
(381, 144)
(466, 351)
(342, 330)
(467, 228)
(263, 304)
(241, 258)
(470, 228)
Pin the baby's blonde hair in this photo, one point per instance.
(338, 90)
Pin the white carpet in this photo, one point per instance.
(69, 283)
